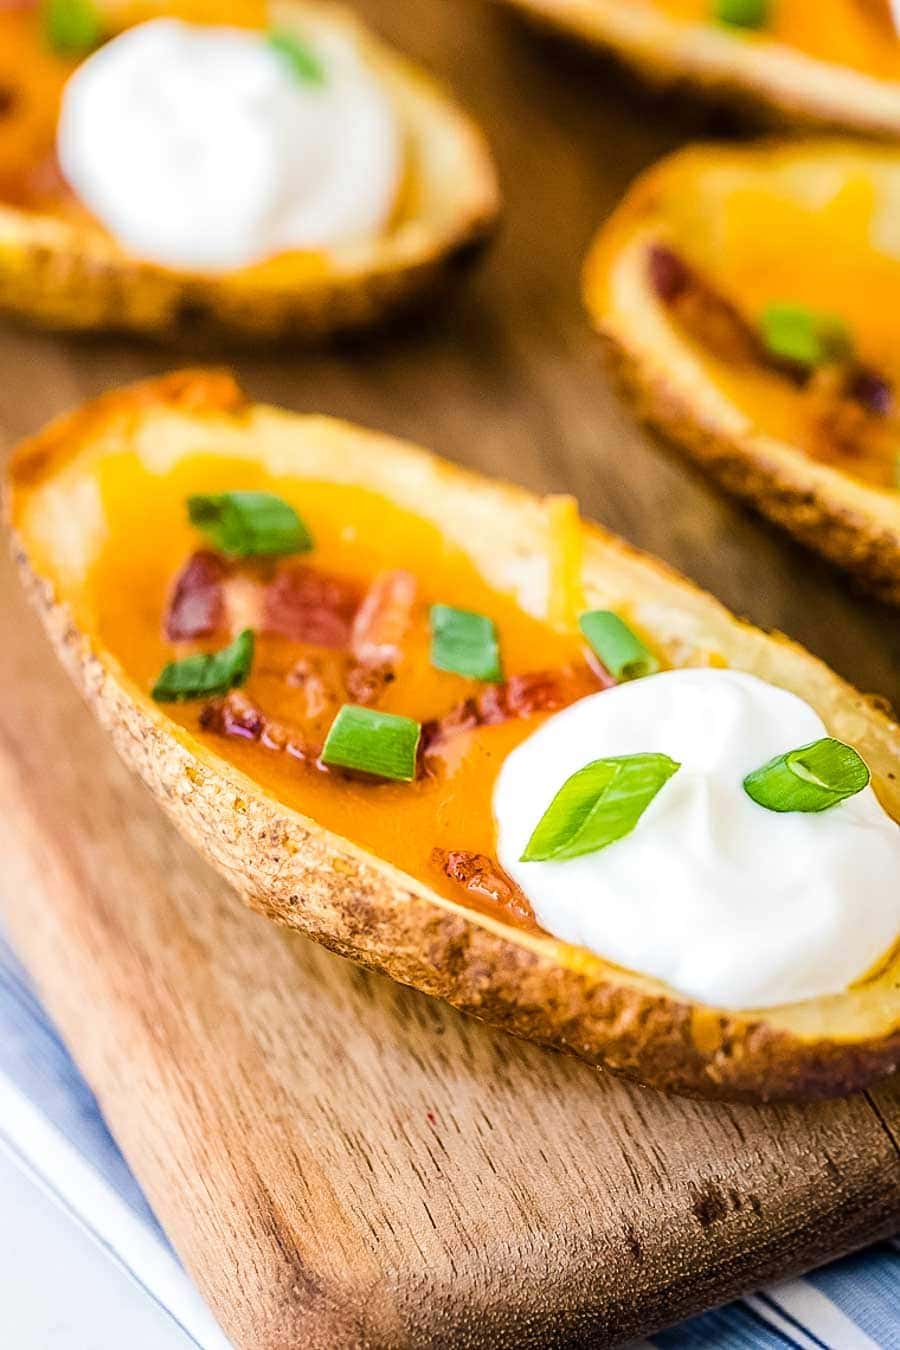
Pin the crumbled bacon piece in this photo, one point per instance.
(197, 606)
(706, 315)
(871, 390)
(482, 877)
(520, 696)
(383, 619)
(237, 715)
(669, 274)
(309, 606)
(365, 684)
(212, 595)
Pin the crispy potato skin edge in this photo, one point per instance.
(350, 902)
(771, 99)
(821, 521)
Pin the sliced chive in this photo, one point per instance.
(621, 651)
(297, 55)
(598, 805)
(465, 643)
(71, 26)
(804, 336)
(379, 743)
(206, 673)
(741, 13)
(808, 779)
(249, 524)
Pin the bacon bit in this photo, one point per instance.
(383, 620)
(520, 696)
(366, 685)
(308, 606)
(870, 389)
(706, 315)
(237, 715)
(211, 594)
(197, 607)
(482, 877)
(669, 276)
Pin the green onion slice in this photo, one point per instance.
(811, 778)
(804, 336)
(465, 643)
(741, 13)
(206, 673)
(302, 60)
(249, 524)
(379, 743)
(71, 25)
(598, 805)
(621, 651)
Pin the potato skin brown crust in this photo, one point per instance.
(768, 80)
(852, 524)
(845, 536)
(325, 887)
(67, 275)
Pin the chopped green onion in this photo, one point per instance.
(811, 778)
(71, 25)
(301, 59)
(379, 743)
(621, 651)
(741, 13)
(249, 524)
(598, 805)
(206, 673)
(804, 336)
(465, 643)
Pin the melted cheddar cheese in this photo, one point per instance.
(357, 534)
(818, 231)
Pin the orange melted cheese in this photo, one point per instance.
(357, 534)
(856, 33)
(31, 83)
(760, 244)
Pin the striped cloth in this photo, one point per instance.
(116, 1281)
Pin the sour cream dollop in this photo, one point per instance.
(198, 146)
(729, 903)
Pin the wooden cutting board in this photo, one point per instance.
(341, 1162)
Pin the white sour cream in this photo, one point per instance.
(197, 146)
(727, 902)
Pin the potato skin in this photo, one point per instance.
(68, 274)
(769, 82)
(854, 525)
(858, 543)
(307, 879)
(50, 281)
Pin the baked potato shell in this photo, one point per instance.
(765, 76)
(303, 876)
(851, 522)
(65, 271)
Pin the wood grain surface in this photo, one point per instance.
(341, 1162)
